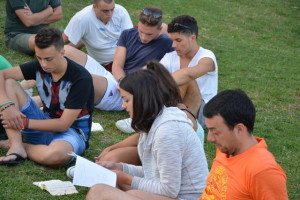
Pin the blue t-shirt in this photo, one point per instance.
(138, 54)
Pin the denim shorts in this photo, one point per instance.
(32, 111)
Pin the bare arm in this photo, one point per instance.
(55, 125)
(11, 73)
(79, 45)
(185, 75)
(56, 16)
(11, 116)
(119, 62)
(34, 19)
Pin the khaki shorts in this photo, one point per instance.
(19, 42)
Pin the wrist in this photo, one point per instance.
(25, 123)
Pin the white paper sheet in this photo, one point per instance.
(88, 173)
(96, 127)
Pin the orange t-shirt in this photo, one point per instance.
(253, 174)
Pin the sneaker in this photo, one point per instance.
(124, 125)
(70, 172)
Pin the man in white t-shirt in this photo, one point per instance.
(98, 27)
(191, 62)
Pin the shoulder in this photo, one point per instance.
(77, 70)
(120, 9)
(260, 159)
(206, 52)
(131, 33)
(85, 13)
(165, 38)
(171, 116)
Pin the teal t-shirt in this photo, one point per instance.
(4, 64)
(13, 24)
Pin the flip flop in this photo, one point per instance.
(18, 160)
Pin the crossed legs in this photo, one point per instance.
(53, 155)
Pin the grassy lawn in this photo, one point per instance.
(257, 44)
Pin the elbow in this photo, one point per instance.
(62, 128)
(60, 17)
(29, 24)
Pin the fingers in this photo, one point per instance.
(12, 118)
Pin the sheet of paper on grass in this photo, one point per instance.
(88, 173)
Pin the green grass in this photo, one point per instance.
(257, 44)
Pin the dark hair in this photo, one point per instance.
(153, 16)
(234, 106)
(170, 90)
(184, 24)
(49, 36)
(147, 98)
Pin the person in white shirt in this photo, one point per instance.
(98, 27)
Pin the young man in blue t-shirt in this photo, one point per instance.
(137, 46)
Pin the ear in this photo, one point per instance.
(62, 52)
(240, 129)
(193, 37)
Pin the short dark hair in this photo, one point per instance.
(147, 98)
(154, 18)
(170, 90)
(49, 36)
(234, 106)
(183, 24)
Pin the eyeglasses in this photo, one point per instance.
(182, 26)
(154, 13)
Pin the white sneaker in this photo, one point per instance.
(124, 125)
(70, 172)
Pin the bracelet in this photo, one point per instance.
(3, 104)
(25, 122)
(7, 106)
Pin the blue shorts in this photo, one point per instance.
(32, 111)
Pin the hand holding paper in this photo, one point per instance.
(88, 173)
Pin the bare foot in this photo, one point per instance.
(13, 154)
(4, 144)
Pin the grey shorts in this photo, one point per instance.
(19, 42)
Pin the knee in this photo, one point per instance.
(10, 83)
(98, 191)
(55, 158)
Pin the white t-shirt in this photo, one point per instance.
(208, 83)
(100, 39)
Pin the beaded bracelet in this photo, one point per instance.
(7, 106)
(3, 104)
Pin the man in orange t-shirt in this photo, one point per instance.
(243, 167)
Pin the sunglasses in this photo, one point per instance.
(154, 13)
(182, 26)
